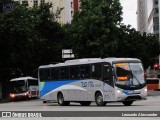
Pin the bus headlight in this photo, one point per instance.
(12, 95)
(119, 92)
(145, 90)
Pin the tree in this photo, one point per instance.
(93, 28)
(49, 29)
(97, 31)
(132, 44)
(29, 37)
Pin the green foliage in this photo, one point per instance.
(92, 28)
(29, 37)
(132, 44)
(96, 31)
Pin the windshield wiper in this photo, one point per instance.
(136, 78)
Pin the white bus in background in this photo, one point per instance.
(93, 80)
(24, 87)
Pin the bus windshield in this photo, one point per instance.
(32, 82)
(18, 86)
(129, 74)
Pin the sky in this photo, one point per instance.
(129, 12)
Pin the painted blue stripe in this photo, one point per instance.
(51, 85)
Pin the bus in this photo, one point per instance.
(24, 87)
(93, 80)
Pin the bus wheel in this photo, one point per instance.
(61, 101)
(99, 99)
(85, 103)
(44, 101)
(127, 103)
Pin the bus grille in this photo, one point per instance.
(133, 98)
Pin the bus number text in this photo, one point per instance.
(87, 84)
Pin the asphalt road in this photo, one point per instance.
(151, 104)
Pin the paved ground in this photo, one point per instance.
(151, 104)
(154, 93)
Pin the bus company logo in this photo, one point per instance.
(7, 7)
(6, 114)
(130, 82)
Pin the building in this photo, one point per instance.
(67, 8)
(153, 16)
(142, 23)
(148, 16)
(64, 8)
(31, 3)
(148, 20)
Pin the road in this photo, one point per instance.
(151, 104)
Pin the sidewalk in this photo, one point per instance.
(153, 93)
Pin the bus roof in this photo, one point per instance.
(24, 78)
(89, 60)
(111, 60)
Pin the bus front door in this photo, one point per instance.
(108, 85)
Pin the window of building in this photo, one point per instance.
(156, 20)
(42, 1)
(71, 4)
(156, 27)
(156, 2)
(25, 3)
(35, 3)
(72, 13)
(156, 11)
(157, 35)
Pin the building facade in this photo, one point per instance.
(153, 16)
(148, 16)
(64, 8)
(142, 24)
(148, 21)
(31, 3)
(67, 8)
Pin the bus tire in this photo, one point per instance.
(85, 103)
(99, 99)
(61, 101)
(127, 103)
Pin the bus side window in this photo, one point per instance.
(107, 72)
(54, 73)
(74, 72)
(96, 70)
(85, 71)
(41, 73)
(47, 74)
(64, 73)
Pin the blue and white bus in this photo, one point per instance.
(93, 80)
